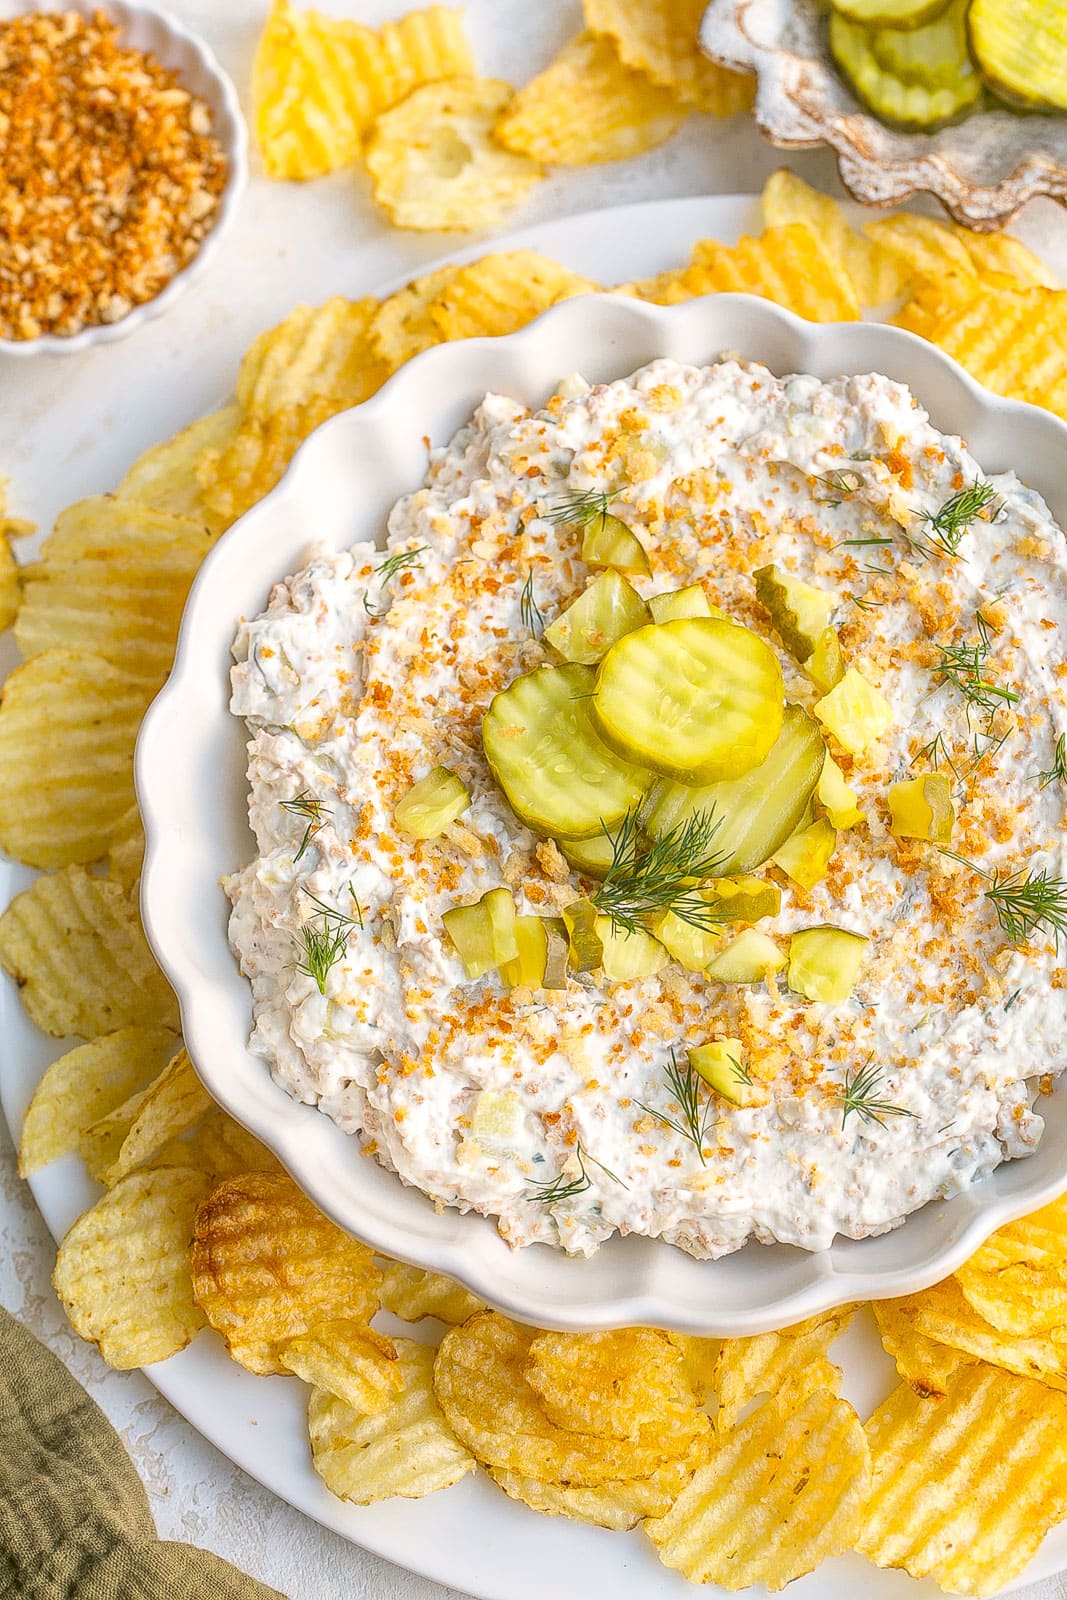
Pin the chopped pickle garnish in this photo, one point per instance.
(496, 1118)
(759, 811)
(590, 625)
(557, 953)
(557, 774)
(838, 798)
(855, 712)
(800, 612)
(744, 899)
(585, 947)
(747, 959)
(628, 955)
(698, 699)
(608, 542)
(528, 967)
(484, 934)
(431, 804)
(691, 602)
(805, 856)
(591, 856)
(721, 1064)
(921, 808)
(826, 664)
(692, 947)
(824, 963)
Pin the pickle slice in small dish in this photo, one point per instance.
(1021, 48)
(892, 100)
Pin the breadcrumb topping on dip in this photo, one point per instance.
(571, 1113)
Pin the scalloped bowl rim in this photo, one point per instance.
(199, 70)
(191, 784)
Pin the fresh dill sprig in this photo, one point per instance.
(312, 811)
(662, 874)
(578, 510)
(935, 751)
(860, 543)
(859, 1094)
(324, 939)
(1057, 773)
(841, 483)
(391, 567)
(1010, 1001)
(684, 1085)
(532, 616)
(963, 666)
(863, 602)
(1027, 902)
(555, 1190)
(944, 529)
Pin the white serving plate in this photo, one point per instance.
(471, 1537)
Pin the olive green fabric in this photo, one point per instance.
(75, 1522)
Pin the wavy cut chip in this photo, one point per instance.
(411, 1294)
(125, 848)
(73, 943)
(619, 1384)
(1017, 1280)
(165, 477)
(122, 1272)
(402, 326)
(944, 1315)
(619, 1506)
(587, 107)
(1012, 340)
(498, 294)
(660, 39)
(10, 591)
(789, 1365)
(435, 162)
(924, 247)
(168, 1107)
(268, 1267)
(407, 1449)
(877, 274)
(68, 723)
(926, 1364)
(965, 1488)
(221, 1146)
(788, 265)
(1003, 253)
(355, 1364)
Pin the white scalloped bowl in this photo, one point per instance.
(174, 46)
(192, 789)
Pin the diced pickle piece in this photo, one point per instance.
(698, 699)
(747, 959)
(826, 664)
(855, 712)
(824, 963)
(758, 811)
(691, 602)
(590, 625)
(921, 808)
(627, 956)
(484, 933)
(557, 953)
(1021, 47)
(496, 1119)
(837, 797)
(557, 774)
(933, 55)
(608, 542)
(805, 856)
(890, 13)
(431, 804)
(691, 947)
(586, 950)
(799, 611)
(743, 899)
(894, 101)
(721, 1064)
(591, 856)
(528, 968)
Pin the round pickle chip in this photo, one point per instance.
(544, 752)
(697, 699)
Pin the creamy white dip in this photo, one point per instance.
(354, 683)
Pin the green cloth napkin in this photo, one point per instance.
(75, 1523)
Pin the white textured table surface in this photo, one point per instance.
(197, 1495)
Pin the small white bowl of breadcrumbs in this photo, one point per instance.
(123, 155)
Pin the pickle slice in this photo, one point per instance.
(800, 612)
(900, 104)
(758, 811)
(484, 933)
(627, 956)
(556, 953)
(590, 625)
(838, 798)
(591, 856)
(922, 808)
(747, 959)
(824, 963)
(743, 899)
(431, 804)
(528, 967)
(691, 602)
(890, 13)
(586, 949)
(697, 699)
(608, 542)
(826, 664)
(855, 712)
(805, 856)
(544, 752)
(934, 54)
(1021, 47)
(721, 1064)
(691, 947)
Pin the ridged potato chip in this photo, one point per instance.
(407, 1450)
(618, 1506)
(587, 107)
(168, 1107)
(770, 1499)
(165, 477)
(498, 294)
(480, 1379)
(86, 1084)
(942, 1314)
(354, 1363)
(73, 943)
(791, 1364)
(10, 592)
(788, 265)
(122, 1272)
(68, 723)
(699, 1357)
(1012, 340)
(268, 1266)
(660, 39)
(1017, 1280)
(925, 248)
(112, 579)
(435, 162)
(402, 326)
(965, 1488)
(411, 1294)
(1003, 253)
(619, 1384)
(926, 1364)
(221, 1146)
(125, 848)
(877, 274)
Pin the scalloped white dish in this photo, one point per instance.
(192, 789)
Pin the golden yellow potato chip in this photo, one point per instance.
(615, 1384)
(268, 1266)
(1018, 1279)
(965, 1488)
(618, 1506)
(73, 943)
(660, 39)
(317, 83)
(587, 107)
(68, 722)
(877, 274)
(122, 1273)
(165, 477)
(1003, 253)
(221, 1146)
(942, 1314)
(481, 1384)
(167, 1108)
(100, 1143)
(788, 265)
(1012, 340)
(699, 1357)
(435, 162)
(411, 1294)
(501, 293)
(407, 1450)
(112, 579)
(402, 327)
(10, 591)
(85, 1085)
(667, 288)
(770, 1499)
(925, 1363)
(353, 1363)
(925, 248)
(125, 848)
(790, 1364)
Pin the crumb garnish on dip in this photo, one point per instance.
(666, 835)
